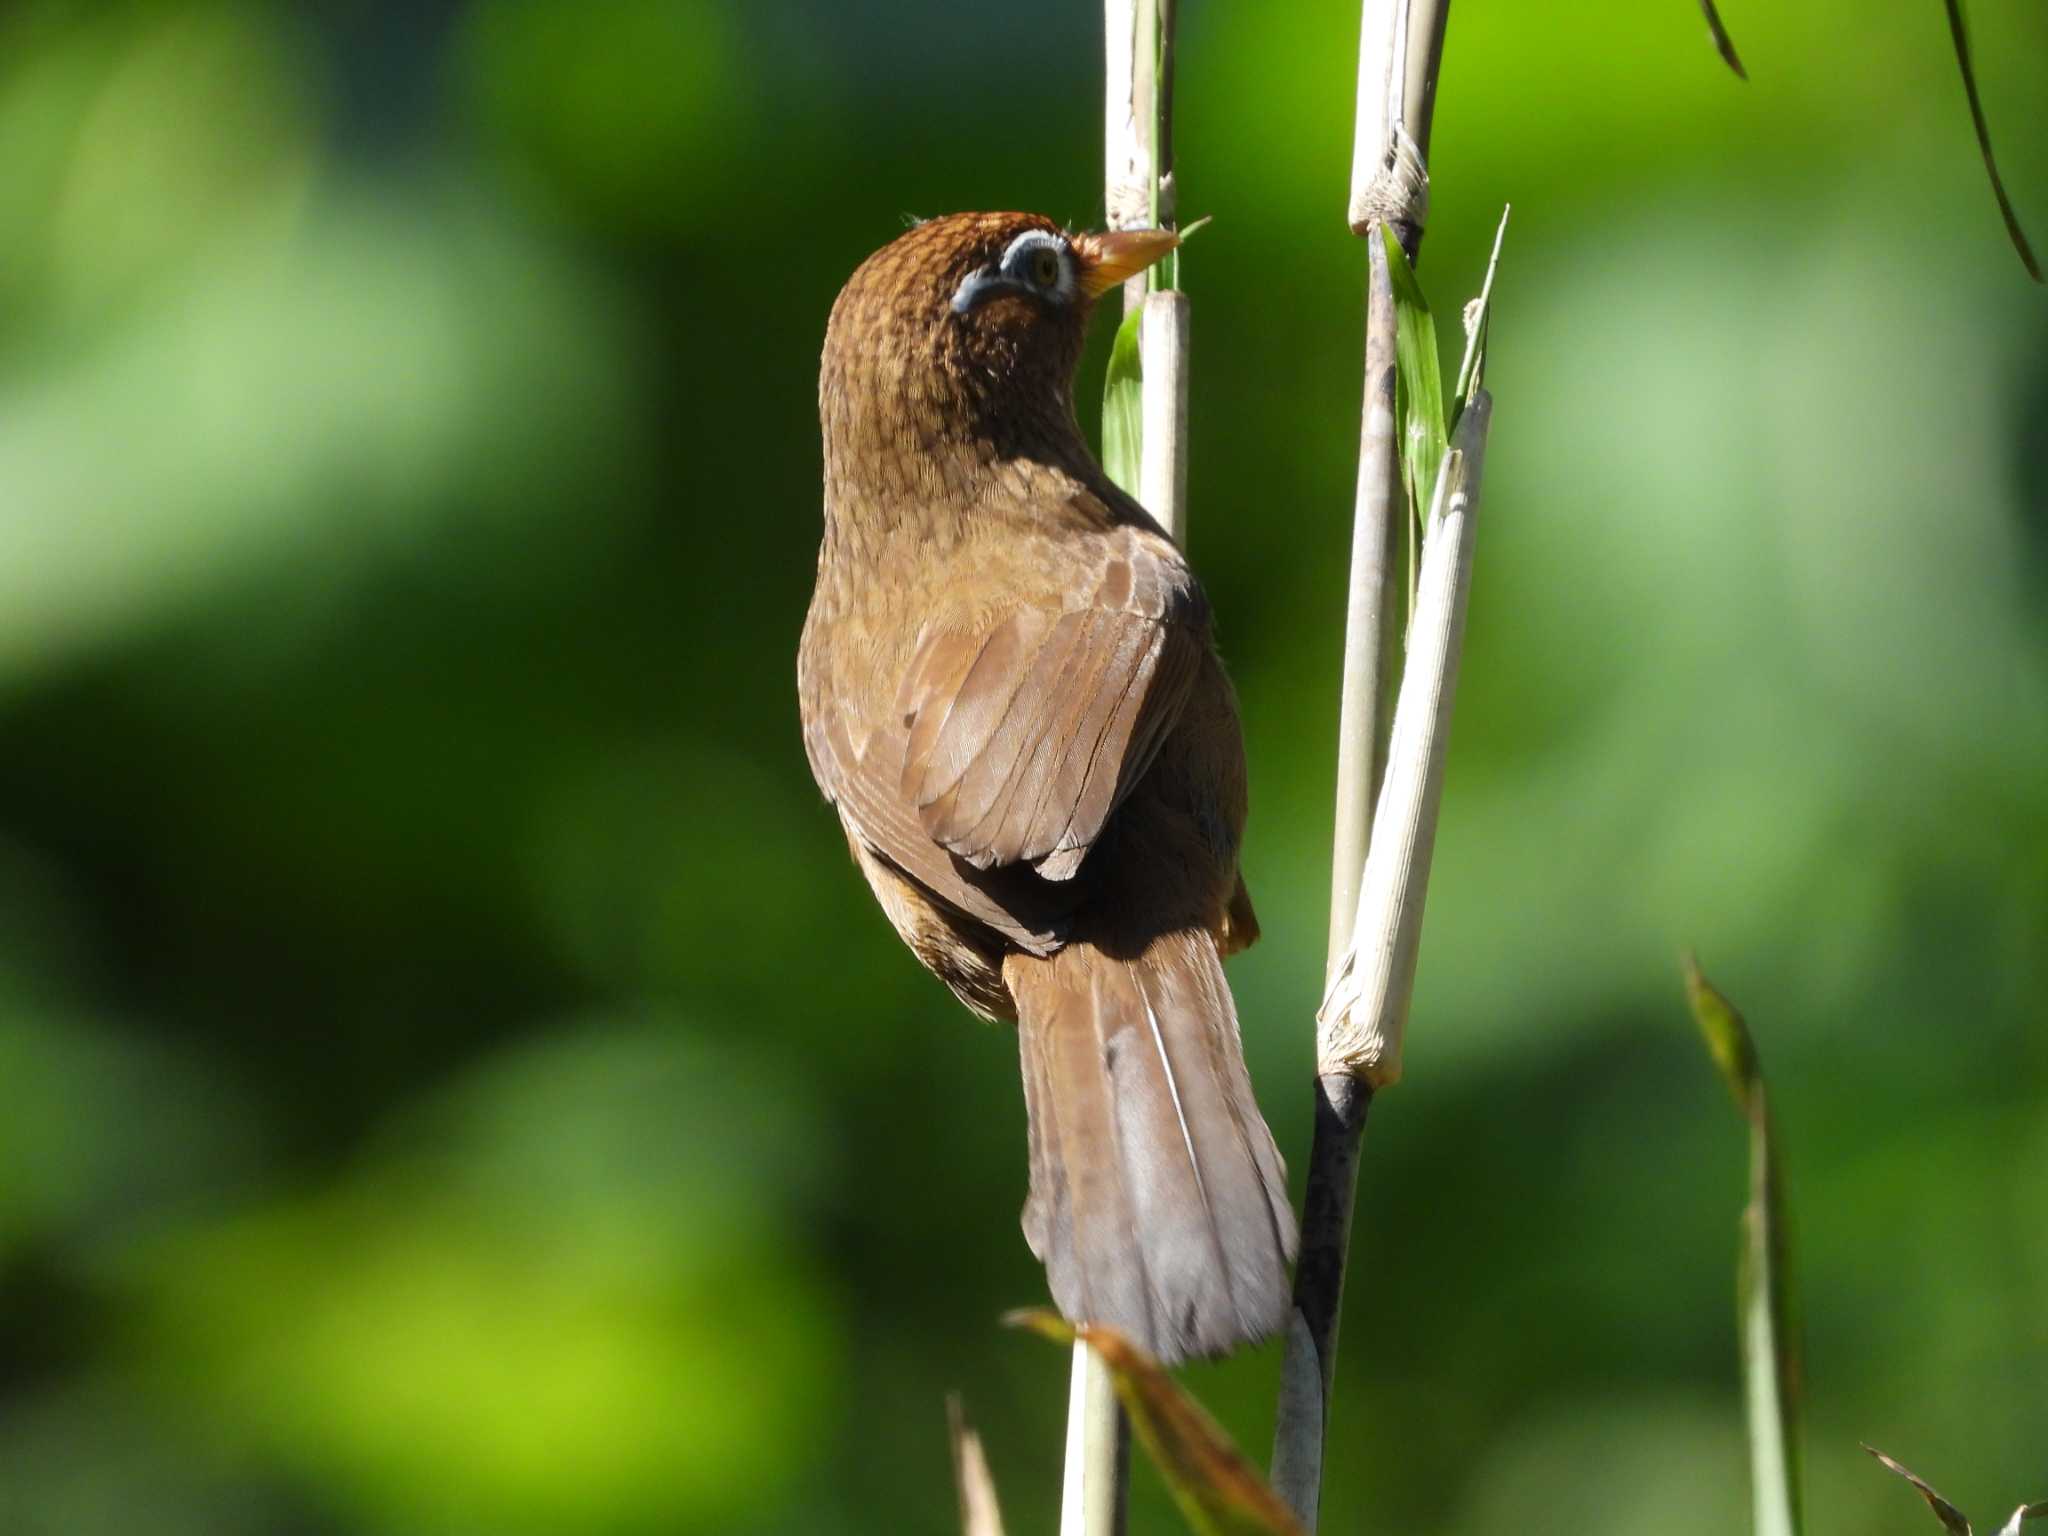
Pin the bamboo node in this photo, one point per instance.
(1397, 192)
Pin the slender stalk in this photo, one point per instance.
(1098, 1467)
(1358, 1046)
(1368, 622)
(1163, 439)
(1310, 1362)
(1341, 1100)
(1138, 194)
(1130, 119)
(1400, 46)
(1365, 1014)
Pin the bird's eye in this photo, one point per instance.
(1042, 265)
(1035, 262)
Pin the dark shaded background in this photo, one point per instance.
(451, 1078)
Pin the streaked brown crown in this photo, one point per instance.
(904, 371)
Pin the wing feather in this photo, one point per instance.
(1020, 754)
(1014, 735)
(1020, 907)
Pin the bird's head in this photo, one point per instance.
(970, 326)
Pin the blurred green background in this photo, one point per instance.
(452, 1079)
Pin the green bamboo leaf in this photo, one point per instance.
(1219, 1491)
(1418, 378)
(1478, 318)
(1123, 394)
(1765, 1305)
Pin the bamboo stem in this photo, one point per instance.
(1138, 194)
(1367, 1006)
(1163, 411)
(1130, 108)
(1366, 1012)
(1093, 1492)
(1400, 47)
(1368, 625)
(1310, 1361)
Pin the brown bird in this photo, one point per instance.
(1010, 694)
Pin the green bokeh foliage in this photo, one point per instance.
(451, 1078)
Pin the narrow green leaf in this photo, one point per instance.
(1418, 378)
(1726, 1035)
(1765, 1306)
(1123, 394)
(1478, 317)
(1219, 1491)
(1722, 40)
(1950, 1517)
(2013, 232)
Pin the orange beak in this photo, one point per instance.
(1107, 259)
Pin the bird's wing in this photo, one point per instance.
(1021, 908)
(1026, 730)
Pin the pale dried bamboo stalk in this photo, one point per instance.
(1138, 194)
(1163, 414)
(1365, 1013)
(1098, 1457)
(1400, 45)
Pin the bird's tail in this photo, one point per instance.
(1158, 1200)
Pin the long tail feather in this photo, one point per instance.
(1158, 1199)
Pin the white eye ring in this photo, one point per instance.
(1021, 250)
(1010, 275)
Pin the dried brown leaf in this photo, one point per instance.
(1722, 40)
(1219, 1491)
(979, 1514)
(1945, 1512)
